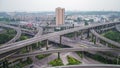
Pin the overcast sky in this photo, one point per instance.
(50, 5)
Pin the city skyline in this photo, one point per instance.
(46, 5)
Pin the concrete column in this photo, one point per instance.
(58, 55)
(60, 40)
(5, 64)
(47, 43)
(75, 35)
(54, 28)
(94, 39)
(73, 25)
(97, 40)
(40, 46)
(81, 34)
(88, 35)
(27, 48)
(37, 44)
(106, 44)
(30, 48)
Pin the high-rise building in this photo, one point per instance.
(60, 16)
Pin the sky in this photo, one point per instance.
(50, 5)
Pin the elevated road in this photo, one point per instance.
(105, 39)
(89, 66)
(65, 41)
(32, 32)
(24, 43)
(65, 50)
(40, 31)
(118, 28)
(17, 36)
(108, 28)
(27, 31)
(49, 26)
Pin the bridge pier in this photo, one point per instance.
(47, 43)
(60, 46)
(106, 44)
(73, 25)
(97, 40)
(81, 35)
(60, 40)
(30, 47)
(5, 64)
(37, 44)
(75, 35)
(88, 33)
(58, 55)
(27, 48)
(94, 39)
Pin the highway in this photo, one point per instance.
(89, 66)
(65, 41)
(108, 28)
(52, 26)
(118, 28)
(50, 36)
(74, 43)
(27, 31)
(31, 32)
(77, 43)
(24, 43)
(17, 36)
(40, 31)
(105, 39)
(66, 50)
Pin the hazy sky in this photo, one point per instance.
(50, 5)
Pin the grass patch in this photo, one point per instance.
(8, 35)
(41, 56)
(56, 62)
(23, 50)
(113, 35)
(80, 54)
(102, 59)
(72, 61)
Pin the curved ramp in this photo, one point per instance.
(105, 39)
(17, 29)
(118, 28)
(40, 31)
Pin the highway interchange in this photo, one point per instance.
(24, 43)
(38, 37)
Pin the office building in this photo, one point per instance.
(60, 16)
